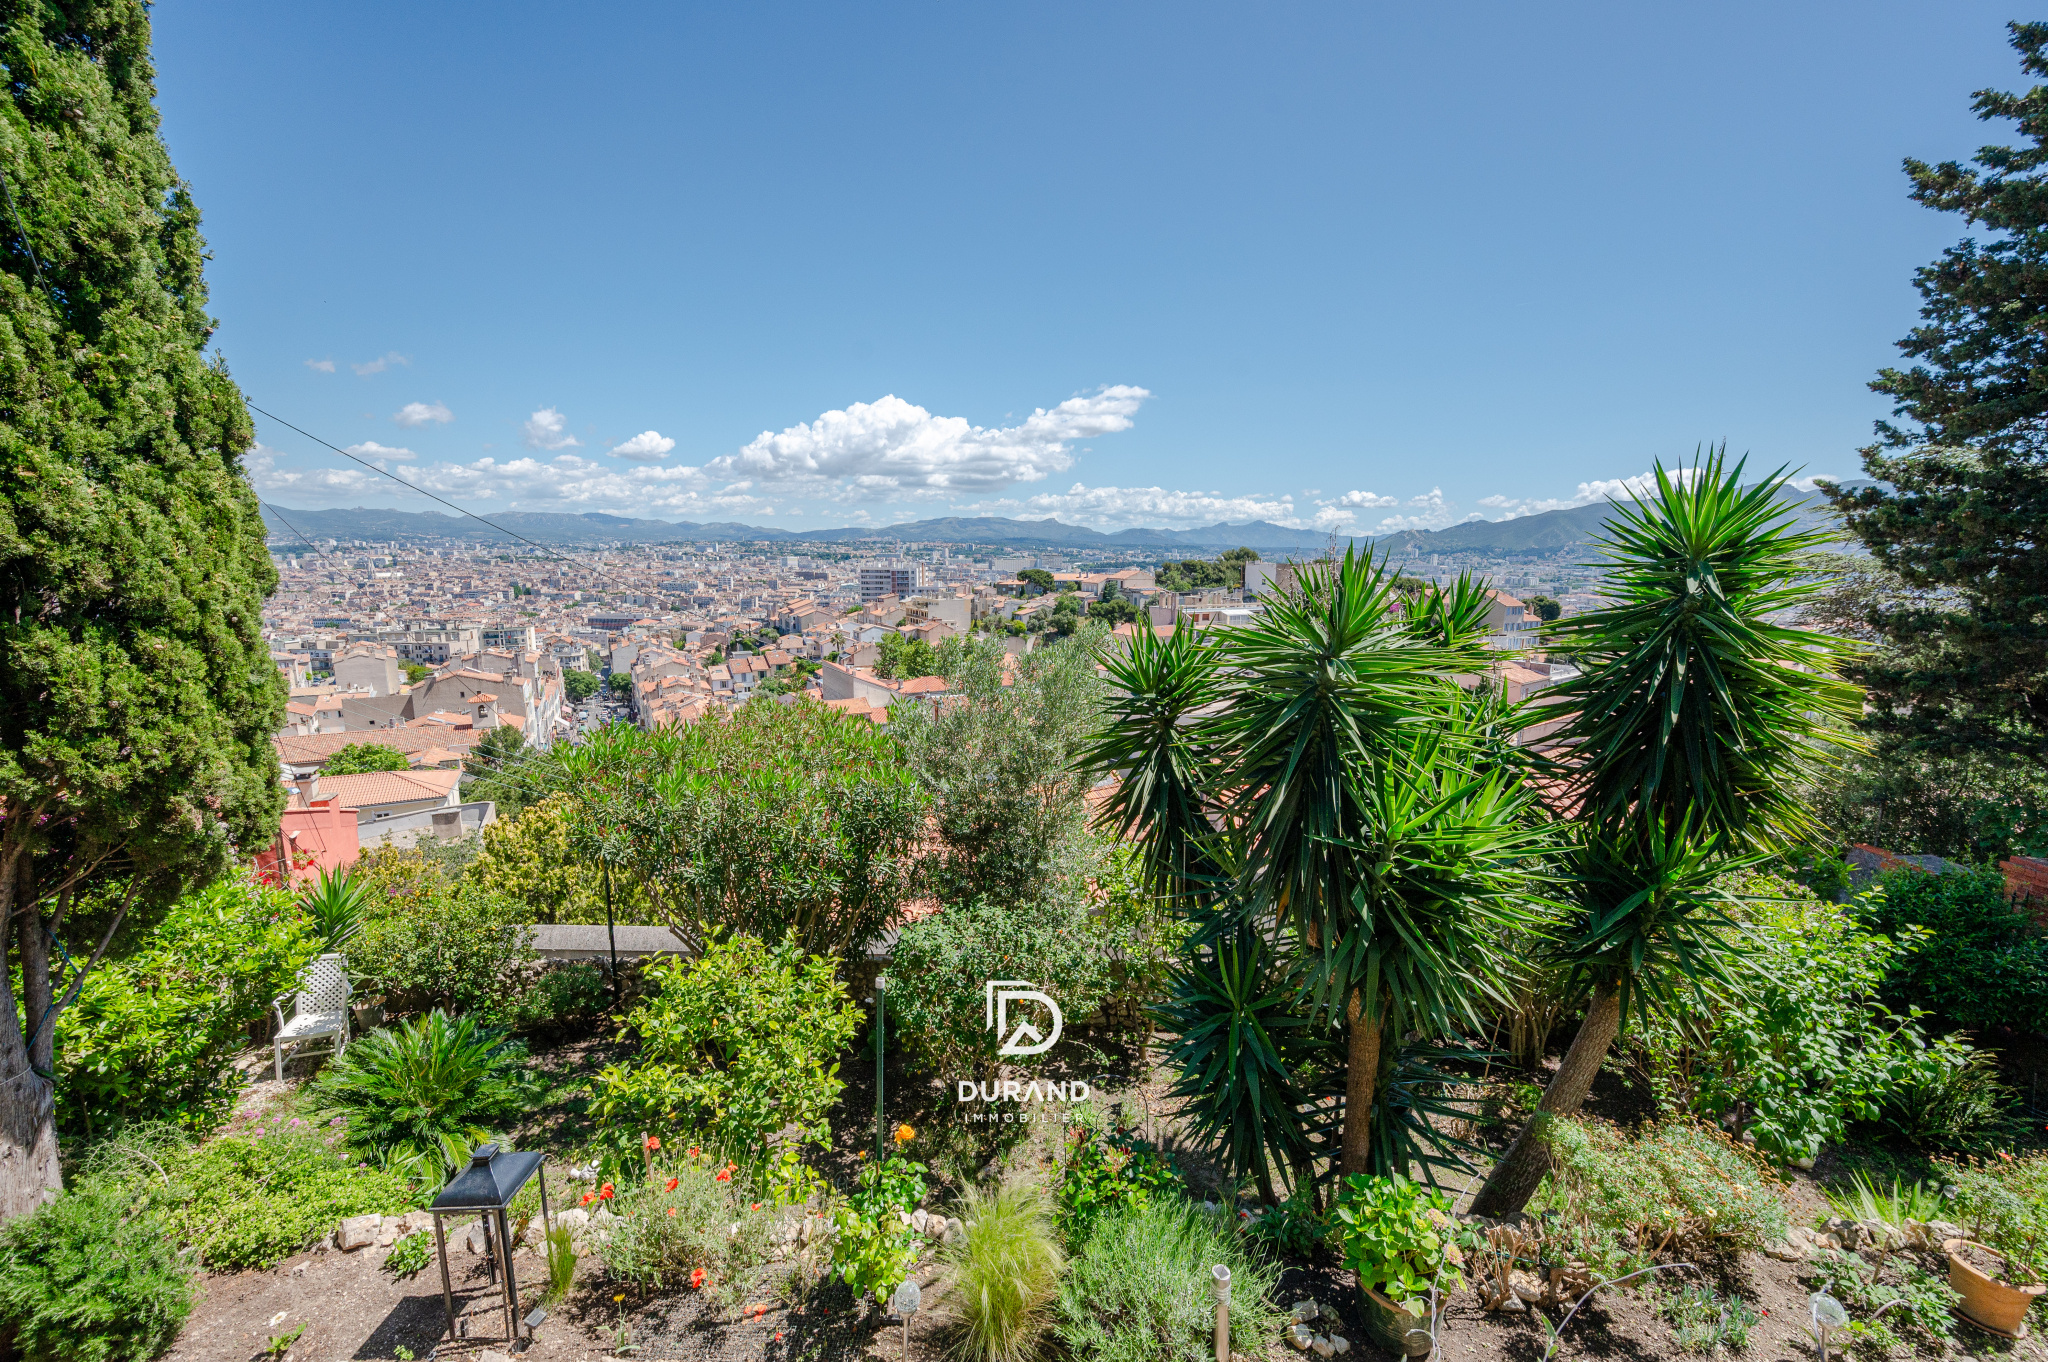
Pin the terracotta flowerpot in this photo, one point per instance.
(1390, 1327)
(1988, 1302)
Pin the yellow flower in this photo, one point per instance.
(616, 1299)
(904, 1133)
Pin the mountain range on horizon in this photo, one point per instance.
(1542, 533)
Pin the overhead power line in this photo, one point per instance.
(459, 510)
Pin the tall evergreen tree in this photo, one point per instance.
(137, 698)
(1964, 669)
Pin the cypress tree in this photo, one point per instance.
(137, 698)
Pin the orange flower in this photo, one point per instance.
(604, 1193)
(724, 1176)
(670, 1186)
(694, 1151)
(696, 1278)
(905, 1134)
(653, 1143)
(585, 1201)
(671, 1210)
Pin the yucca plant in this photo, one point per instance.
(1004, 1274)
(420, 1095)
(1314, 780)
(337, 901)
(1696, 716)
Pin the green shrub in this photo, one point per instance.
(1984, 963)
(438, 946)
(1956, 1102)
(1702, 1320)
(738, 1044)
(417, 1097)
(253, 1201)
(89, 1278)
(359, 757)
(1803, 1048)
(1139, 1290)
(152, 1034)
(2004, 1202)
(1102, 1172)
(939, 972)
(1004, 1274)
(568, 995)
(873, 1245)
(410, 1255)
(686, 1219)
(1397, 1238)
(1677, 1184)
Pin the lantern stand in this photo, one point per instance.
(487, 1186)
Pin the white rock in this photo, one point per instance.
(572, 1220)
(956, 1228)
(904, 1216)
(1299, 1336)
(1803, 1165)
(1323, 1347)
(1306, 1310)
(920, 1218)
(1340, 1344)
(358, 1231)
(1940, 1231)
(477, 1239)
(492, 1355)
(387, 1234)
(1513, 1305)
(1525, 1285)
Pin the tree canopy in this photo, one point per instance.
(1963, 666)
(137, 697)
(359, 757)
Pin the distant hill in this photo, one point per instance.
(1556, 531)
(1550, 532)
(375, 523)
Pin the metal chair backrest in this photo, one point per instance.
(325, 988)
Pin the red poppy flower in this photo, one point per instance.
(671, 1211)
(653, 1142)
(694, 1151)
(604, 1193)
(696, 1278)
(670, 1185)
(585, 1201)
(724, 1176)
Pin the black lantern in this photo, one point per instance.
(487, 1187)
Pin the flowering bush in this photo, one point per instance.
(694, 1224)
(738, 1043)
(152, 1033)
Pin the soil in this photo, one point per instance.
(353, 1310)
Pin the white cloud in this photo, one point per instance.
(1809, 484)
(647, 445)
(1366, 499)
(371, 450)
(892, 448)
(1600, 489)
(549, 429)
(423, 413)
(380, 364)
(321, 366)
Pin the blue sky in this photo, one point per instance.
(1356, 266)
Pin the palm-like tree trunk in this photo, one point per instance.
(1515, 1178)
(1362, 1071)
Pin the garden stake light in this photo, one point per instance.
(1219, 1278)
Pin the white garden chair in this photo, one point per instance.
(319, 1008)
